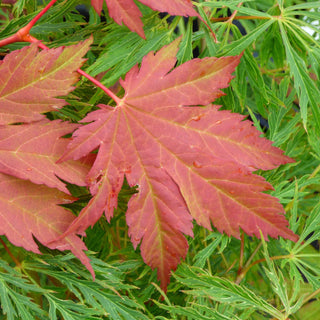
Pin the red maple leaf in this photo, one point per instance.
(30, 152)
(29, 210)
(30, 86)
(188, 162)
(126, 11)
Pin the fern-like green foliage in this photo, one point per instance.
(13, 289)
(64, 289)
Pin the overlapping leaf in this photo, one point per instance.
(33, 80)
(125, 11)
(30, 152)
(188, 162)
(28, 210)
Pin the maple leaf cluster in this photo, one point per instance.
(189, 160)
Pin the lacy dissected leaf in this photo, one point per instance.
(30, 86)
(28, 210)
(188, 162)
(126, 11)
(31, 151)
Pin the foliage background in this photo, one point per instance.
(276, 85)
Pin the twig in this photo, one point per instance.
(23, 34)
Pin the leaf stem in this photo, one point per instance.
(100, 85)
(247, 268)
(241, 253)
(242, 272)
(207, 24)
(39, 15)
(224, 260)
(14, 259)
(221, 19)
(231, 18)
(311, 296)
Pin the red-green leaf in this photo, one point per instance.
(33, 80)
(28, 210)
(188, 162)
(31, 151)
(126, 12)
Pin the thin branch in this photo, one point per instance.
(12, 39)
(23, 34)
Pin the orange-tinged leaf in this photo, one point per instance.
(31, 151)
(97, 5)
(187, 162)
(173, 7)
(230, 197)
(126, 11)
(28, 210)
(30, 86)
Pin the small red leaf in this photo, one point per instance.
(30, 86)
(126, 12)
(28, 210)
(31, 151)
